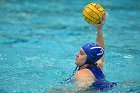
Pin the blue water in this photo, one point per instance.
(39, 40)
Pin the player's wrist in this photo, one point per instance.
(99, 28)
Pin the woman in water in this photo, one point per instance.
(90, 60)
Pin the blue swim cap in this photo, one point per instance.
(93, 51)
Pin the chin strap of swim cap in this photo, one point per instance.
(93, 51)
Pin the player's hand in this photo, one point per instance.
(102, 18)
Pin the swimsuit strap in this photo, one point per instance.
(97, 72)
(100, 83)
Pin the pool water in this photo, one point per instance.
(39, 40)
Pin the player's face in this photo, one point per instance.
(80, 57)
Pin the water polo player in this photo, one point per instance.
(90, 63)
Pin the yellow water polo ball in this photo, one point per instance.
(93, 12)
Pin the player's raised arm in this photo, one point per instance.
(100, 38)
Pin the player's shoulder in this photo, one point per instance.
(83, 73)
